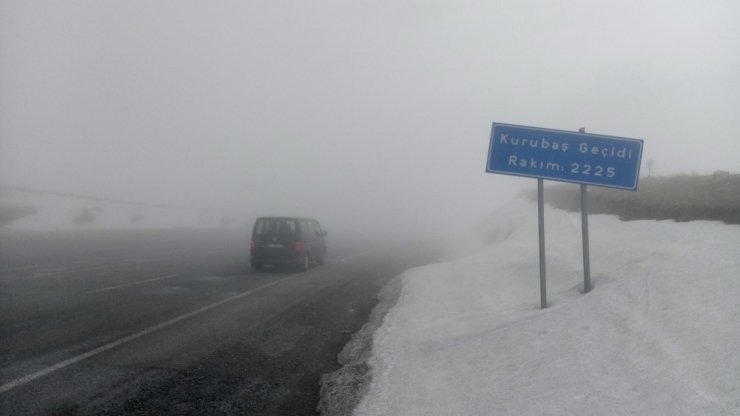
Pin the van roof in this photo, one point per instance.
(285, 218)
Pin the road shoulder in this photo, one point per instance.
(343, 389)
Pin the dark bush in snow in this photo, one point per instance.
(85, 217)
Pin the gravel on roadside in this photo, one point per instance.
(342, 390)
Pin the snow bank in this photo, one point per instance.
(658, 335)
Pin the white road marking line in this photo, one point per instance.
(76, 263)
(108, 266)
(132, 283)
(45, 266)
(23, 380)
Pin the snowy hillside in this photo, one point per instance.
(658, 335)
(38, 211)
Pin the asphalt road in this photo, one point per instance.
(175, 322)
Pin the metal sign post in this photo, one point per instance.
(584, 230)
(541, 218)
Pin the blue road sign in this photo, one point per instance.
(592, 159)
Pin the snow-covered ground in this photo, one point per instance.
(658, 335)
(53, 212)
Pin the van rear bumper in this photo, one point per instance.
(256, 260)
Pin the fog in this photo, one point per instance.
(368, 115)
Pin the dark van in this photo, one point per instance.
(287, 241)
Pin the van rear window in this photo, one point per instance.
(275, 226)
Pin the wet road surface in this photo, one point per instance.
(175, 322)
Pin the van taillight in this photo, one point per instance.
(298, 246)
(252, 245)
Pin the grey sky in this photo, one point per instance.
(379, 107)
